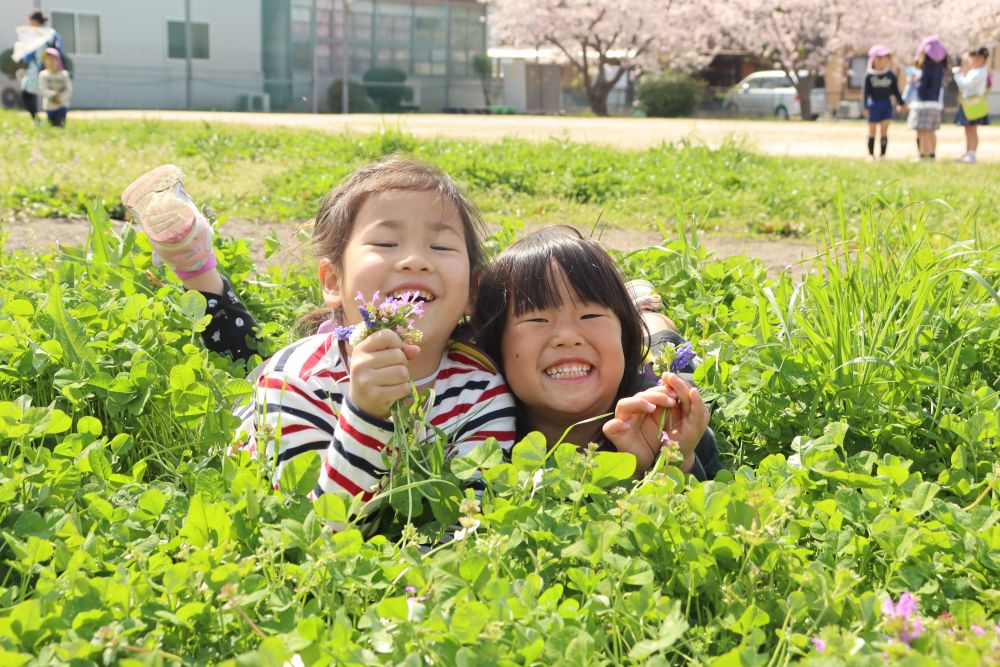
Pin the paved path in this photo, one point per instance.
(844, 139)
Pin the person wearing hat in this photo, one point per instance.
(925, 111)
(881, 85)
(973, 80)
(54, 88)
(32, 41)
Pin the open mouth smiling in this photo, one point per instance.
(569, 371)
(419, 295)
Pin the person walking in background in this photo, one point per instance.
(880, 87)
(54, 88)
(925, 111)
(32, 40)
(973, 79)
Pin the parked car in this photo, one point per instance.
(771, 93)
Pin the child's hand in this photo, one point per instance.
(635, 427)
(379, 373)
(901, 108)
(864, 112)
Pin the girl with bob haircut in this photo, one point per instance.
(397, 227)
(554, 310)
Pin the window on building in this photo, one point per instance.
(430, 39)
(81, 33)
(467, 39)
(177, 40)
(856, 70)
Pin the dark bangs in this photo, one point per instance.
(527, 277)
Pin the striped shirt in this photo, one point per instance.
(300, 404)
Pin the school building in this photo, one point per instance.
(257, 54)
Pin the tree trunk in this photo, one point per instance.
(804, 89)
(598, 102)
(597, 95)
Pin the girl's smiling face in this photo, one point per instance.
(405, 242)
(564, 361)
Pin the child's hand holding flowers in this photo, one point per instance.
(381, 347)
(671, 414)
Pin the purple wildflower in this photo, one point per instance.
(902, 617)
(819, 644)
(395, 313)
(683, 357)
(343, 333)
(978, 630)
(411, 590)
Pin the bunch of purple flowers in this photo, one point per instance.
(673, 359)
(396, 313)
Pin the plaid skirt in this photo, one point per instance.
(924, 119)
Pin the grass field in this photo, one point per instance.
(280, 174)
(856, 520)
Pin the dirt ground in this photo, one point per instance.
(825, 138)
(40, 234)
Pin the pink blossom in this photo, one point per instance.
(978, 630)
(819, 644)
(902, 618)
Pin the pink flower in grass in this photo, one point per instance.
(819, 644)
(902, 617)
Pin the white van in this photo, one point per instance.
(771, 93)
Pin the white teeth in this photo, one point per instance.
(563, 372)
(420, 295)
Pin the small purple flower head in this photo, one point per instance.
(366, 316)
(683, 357)
(411, 590)
(343, 333)
(978, 630)
(819, 644)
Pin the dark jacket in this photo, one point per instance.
(931, 76)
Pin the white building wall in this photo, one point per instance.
(133, 70)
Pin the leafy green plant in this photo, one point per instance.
(385, 87)
(670, 94)
(856, 409)
(357, 98)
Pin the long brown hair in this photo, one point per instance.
(338, 210)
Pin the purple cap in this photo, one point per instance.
(54, 52)
(933, 47)
(877, 51)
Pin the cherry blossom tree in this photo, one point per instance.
(799, 36)
(960, 24)
(603, 40)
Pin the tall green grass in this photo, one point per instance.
(894, 331)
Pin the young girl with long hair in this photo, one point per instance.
(396, 227)
(973, 79)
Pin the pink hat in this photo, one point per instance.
(54, 52)
(877, 51)
(933, 47)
